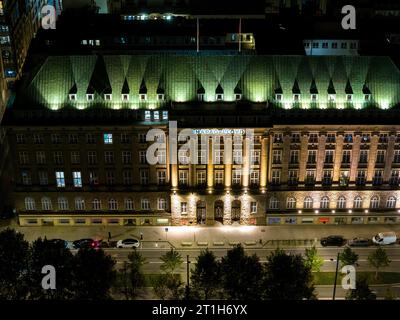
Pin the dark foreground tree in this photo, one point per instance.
(44, 252)
(93, 274)
(172, 261)
(312, 259)
(348, 257)
(378, 259)
(136, 276)
(168, 286)
(241, 275)
(361, 292)
(14, 253)
(287, 277)
(205, 276)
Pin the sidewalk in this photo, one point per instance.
(202, 236)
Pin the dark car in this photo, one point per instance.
(335, 241)
(61, 242)
(359, 242)
(85, 243)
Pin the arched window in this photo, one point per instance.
(308, 203)
(62, 203)
(273, 203)
(374, 202)
(341, 203)
(30, 204)
(291, 203)
(391, 202)
(112, 204)
(79, 204)
(128, 204)
(324, 203)
(96, 204)
(162, 204)
(46, 204)
(357, 202)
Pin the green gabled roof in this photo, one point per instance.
(181, 77)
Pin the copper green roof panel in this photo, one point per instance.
(181, 76)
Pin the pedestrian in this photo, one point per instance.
(141, 236)
(109, 236)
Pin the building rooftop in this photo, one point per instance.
(178, 78)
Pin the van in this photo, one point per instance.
(384, 238)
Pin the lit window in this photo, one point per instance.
(165, 115)
(90, 97)
(128, 204)
(97, 42)
(278, 97)
(183, 207)
(200, 96)
(84, 42)
(62, 203)
(60, 179)
(162, 204)
(77, 177)
(79, 204)
(72, 97)
(145, 204)
(108, 138)
(29, 202)
(107, 96)
(253, 207)
(219, 97)
(147, 115)
(156, 115)
(46, 204)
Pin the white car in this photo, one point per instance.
(384, 238)
(128, 243)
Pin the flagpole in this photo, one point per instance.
(197, 40)
(240, 34)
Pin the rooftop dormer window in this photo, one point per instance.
(89, 96)
(72, 97)
(314, 97)
(219, 96)
(278, 97)
(125, 97)
(160, 97)
(143, 97)
(108, 96)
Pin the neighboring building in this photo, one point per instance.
(331, 47)
(326, 146)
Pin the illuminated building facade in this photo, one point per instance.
(326, 145)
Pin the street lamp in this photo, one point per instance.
(187, 293)
(336, 274)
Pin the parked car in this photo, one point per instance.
(62, 242)
(86, 243)
(335, 240)
(384, 238)
(359, 242)
(128, 243)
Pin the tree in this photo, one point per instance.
(313, 260)
(14, 253)
(136, 262)
(241, 275)
(93, 274)
(378, 259)
(169, 285)
(44, 252)
(361, 292)
(348, 257)
(205, 276)
(172, 261)
(287, 277)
